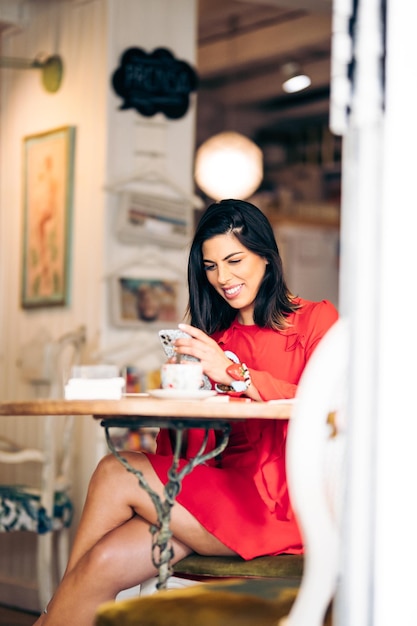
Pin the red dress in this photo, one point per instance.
(242, 498)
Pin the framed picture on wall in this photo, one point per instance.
(48, 169)
(144, 302)
(146, 218)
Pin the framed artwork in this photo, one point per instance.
(48, 170)
(146, 218)
(142, 302)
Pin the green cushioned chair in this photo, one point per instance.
(284, 566)
(197, 568)
(250, 602)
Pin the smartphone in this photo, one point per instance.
(167, 338)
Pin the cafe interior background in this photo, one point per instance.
(58, 61)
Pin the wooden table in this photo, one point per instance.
(144, 405)
(145, 411)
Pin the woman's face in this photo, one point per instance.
(235, 273)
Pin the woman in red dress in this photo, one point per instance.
(253, 338)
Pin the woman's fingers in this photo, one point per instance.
(198, 341)
(199, 344)
(204, 348)
(194, 332)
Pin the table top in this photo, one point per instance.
(147, 406)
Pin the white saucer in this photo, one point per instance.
(178, 394)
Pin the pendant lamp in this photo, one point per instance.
(229, 165)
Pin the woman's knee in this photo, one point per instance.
(107, 469)
(108, 464)
(110, 474)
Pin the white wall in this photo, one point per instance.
(310, 257)
(90, 37)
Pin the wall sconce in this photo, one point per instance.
(51, 69)
(229, 165)
(295, 79)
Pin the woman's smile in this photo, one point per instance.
(232, 292)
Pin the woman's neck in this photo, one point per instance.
(245, 318)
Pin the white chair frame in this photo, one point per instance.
(55, 458)
(315, 458)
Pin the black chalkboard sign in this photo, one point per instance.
(154, 82)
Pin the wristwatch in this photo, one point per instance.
(240, 374)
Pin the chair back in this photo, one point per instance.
(315, 460)
(36, 495)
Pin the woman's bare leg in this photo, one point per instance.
(112, 547)
(114, 496)
(119, 561)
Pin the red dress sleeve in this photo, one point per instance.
(277, 358)
(302, 337)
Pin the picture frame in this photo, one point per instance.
(48, 178)
(144, 302)
(148, 218)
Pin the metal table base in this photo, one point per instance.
(162, 551)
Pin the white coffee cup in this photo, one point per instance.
(187, 376)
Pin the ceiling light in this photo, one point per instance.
(295, 79)
(229, 165)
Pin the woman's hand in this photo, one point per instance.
(212, 357)
(204, 348)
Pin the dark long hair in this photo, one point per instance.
(206, 308)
